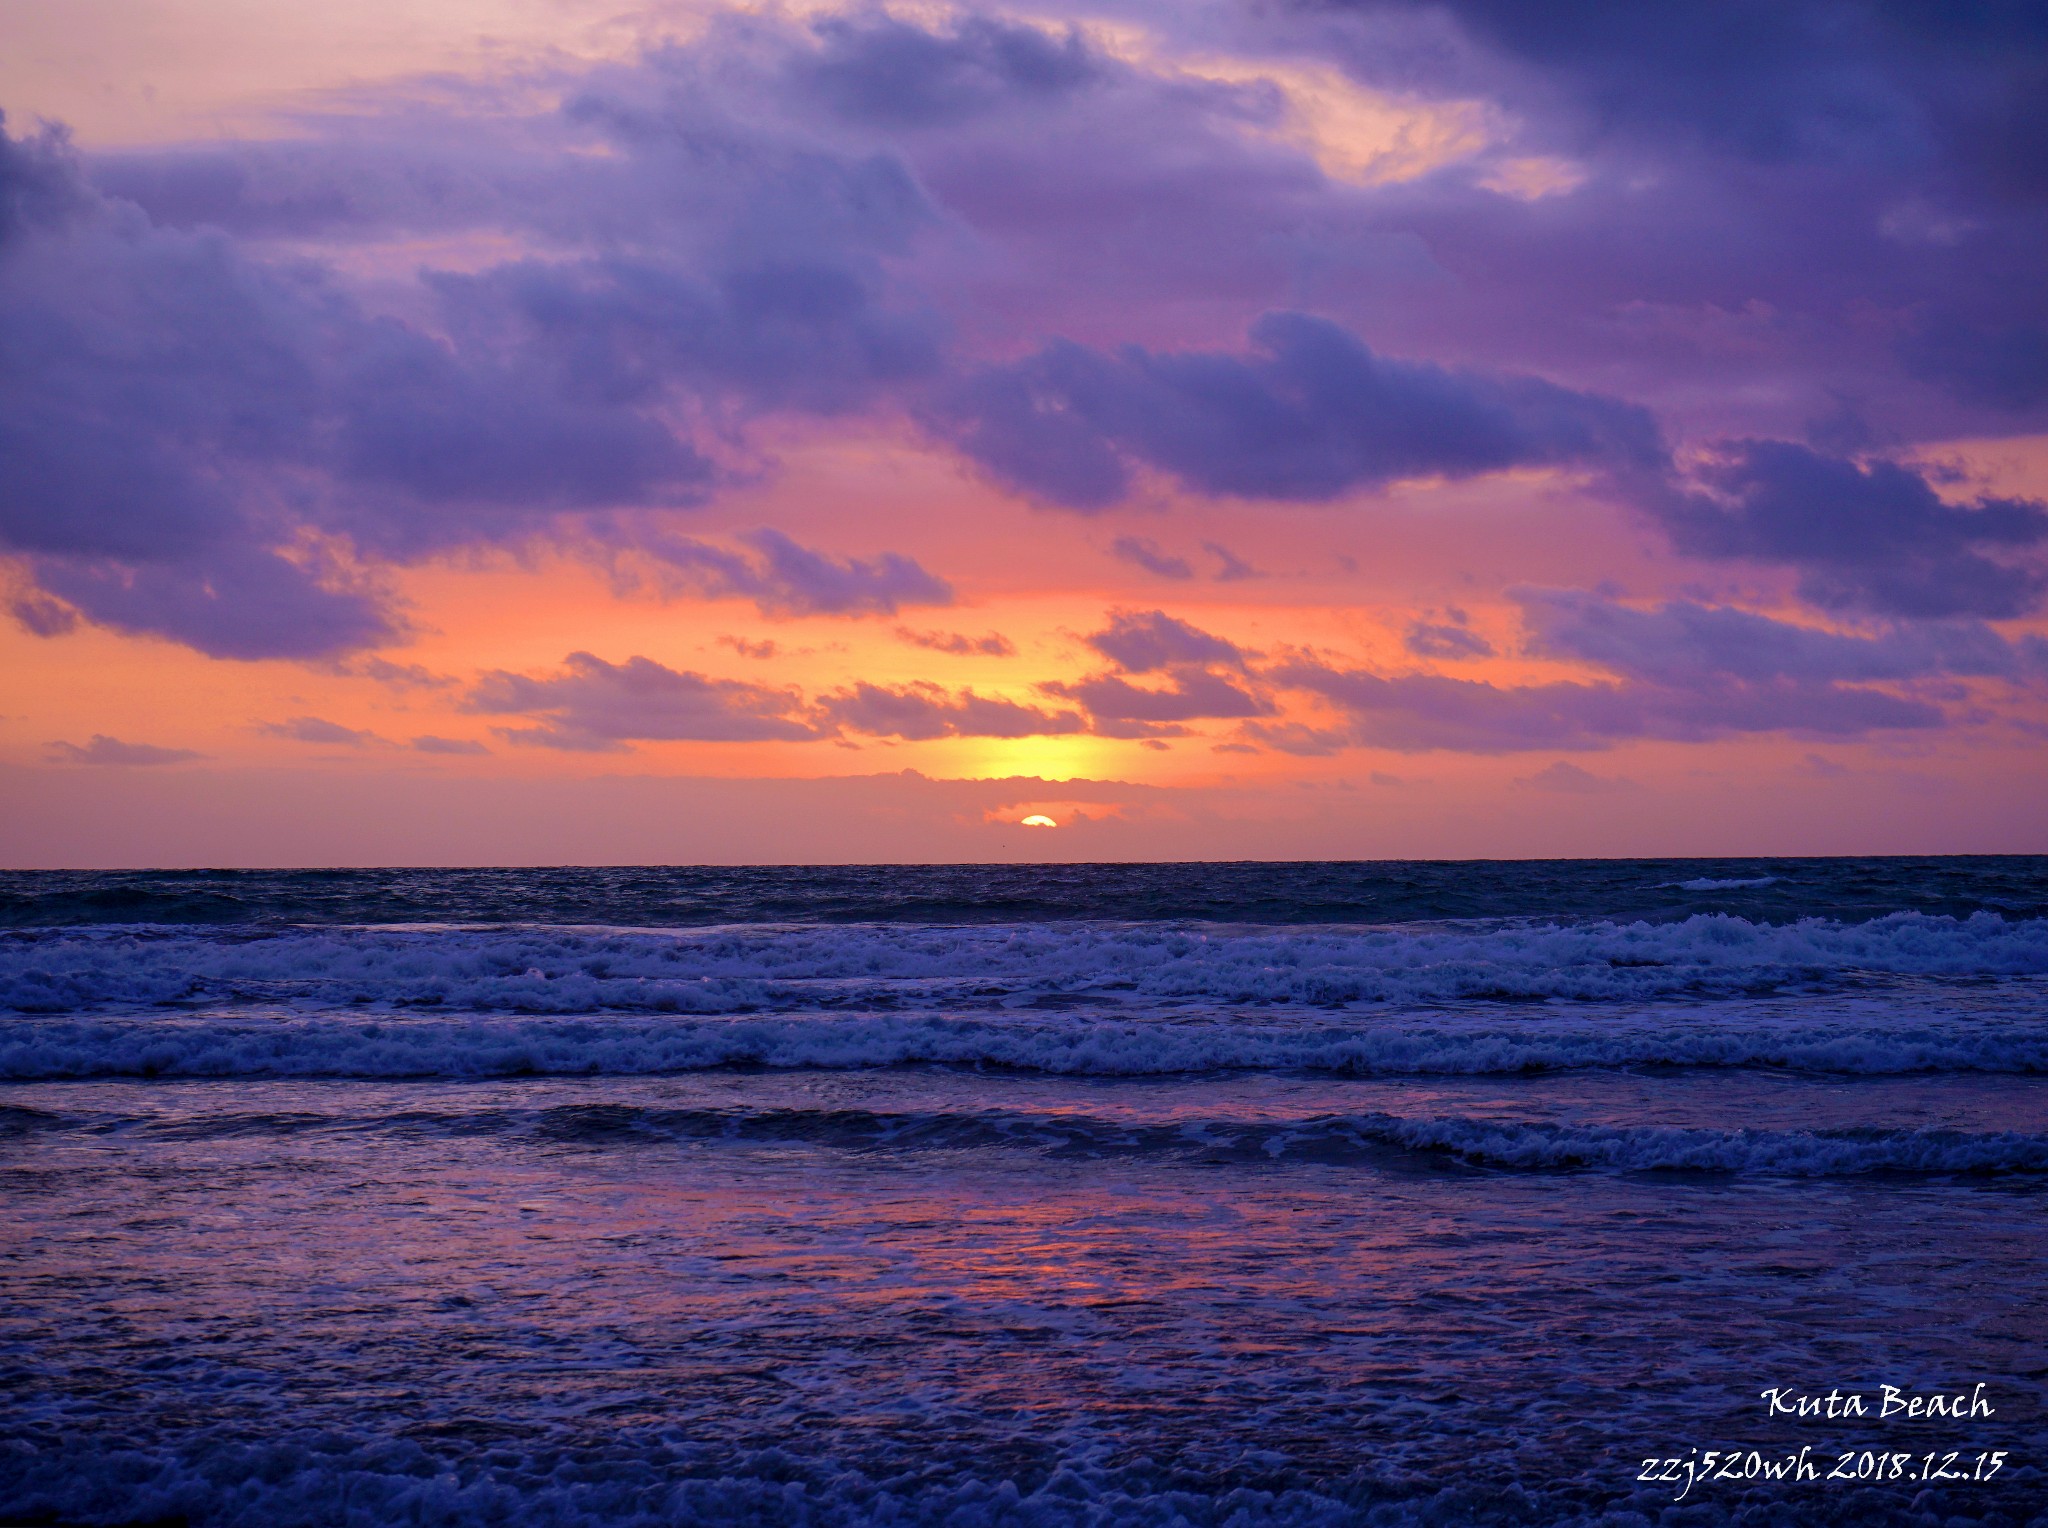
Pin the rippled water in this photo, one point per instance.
(1239, 1194)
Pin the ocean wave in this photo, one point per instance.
(1854, 1044)
(1301, 894)
(661, 1482)
(1507, 1145)
(815, 968)
(1371, 1138)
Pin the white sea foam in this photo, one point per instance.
(1358, 1137)
(300, 1479)
(783, 969)
(1870, 1040)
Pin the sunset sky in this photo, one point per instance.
(522, 431)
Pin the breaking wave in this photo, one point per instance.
(784, 968)
(1861, 1043)
(1366, 1138)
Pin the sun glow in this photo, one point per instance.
(1039, 820)
(1043, 758)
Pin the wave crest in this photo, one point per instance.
(816, 968)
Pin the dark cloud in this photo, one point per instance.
(1770, 196)
(1684, 643)
(1445, 639)
(1310, 414)
(1892, 84)
(401, 676)
(444, 449)
(229, 602)
(1873, 537)
(1295, 738)
(200, 444)
(101, 749)
(922, 711)
(42, 616)
(1682, 671)
(1783, 209)
(38, 185)
(1143, 641)
(1144, 552)
(2005, 366)
(1185, 656)
(157, 394)
(810, 335)
(314, 729)
(447, 745)
(1230, 568)
(144, 379)
(1568, 779)
(878, 70)
(1132, 730)
(1190, 694)
(595, 706)
(1420, 712)
(786, 579)
(560, 740)
(990, 645)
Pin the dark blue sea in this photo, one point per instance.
(1605, 1192)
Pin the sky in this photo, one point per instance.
(560, 431)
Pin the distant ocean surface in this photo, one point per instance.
(1052, 1195)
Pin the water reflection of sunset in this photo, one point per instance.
(597, 1275)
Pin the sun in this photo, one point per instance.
(1039, 820)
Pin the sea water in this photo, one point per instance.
(1207, 1194)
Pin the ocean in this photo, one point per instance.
(1605, 1192)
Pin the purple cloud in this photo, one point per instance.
(1807, 163)
(991, 645)
(786, 579)
(1872, 537)
(125, 446)
(228, 602)
(1143, 641)
(1568, 779)
(1682, 671)
(1230, 568)
(162, 477)
(1813, 221)
(1445, 639)
(1310, 414)
(877, 70)
(447, 745)
(314, 729)
(1144, 552)
(1190, 694)
(1683, 643)
(1188, 658)
(41, 616)
(1846, 83)
(2002, 365)
(1422, 712)
(595, 706)
(923, 710)
(101, 749)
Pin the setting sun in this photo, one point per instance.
(1039, 820)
